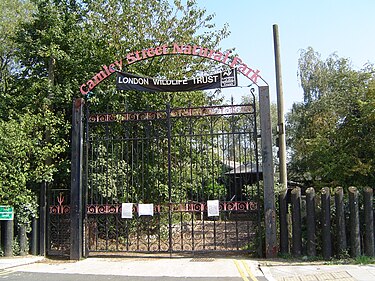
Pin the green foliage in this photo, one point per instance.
(49, 48)
(364, 260)
(22, 161)
(107, 173)
(329, 134)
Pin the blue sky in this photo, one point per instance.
(328, 26)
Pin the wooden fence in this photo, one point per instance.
(314, 225)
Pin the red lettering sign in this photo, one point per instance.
(175, 49)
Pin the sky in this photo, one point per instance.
(328, 26)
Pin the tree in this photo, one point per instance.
(12, 14)
(325, 131)
(53, 46)
(22, 162)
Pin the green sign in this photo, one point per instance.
(6, 213)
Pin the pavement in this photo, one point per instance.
(182, 267)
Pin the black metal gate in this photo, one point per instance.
(167, 166)
(58, 222)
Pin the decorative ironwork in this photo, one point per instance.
(59, 209)
(177, 112)
(100, 209)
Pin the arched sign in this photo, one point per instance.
(175, 49)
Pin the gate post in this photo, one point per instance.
(43, 219)
(267, 168)
(76, 217)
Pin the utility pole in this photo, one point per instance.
(284, 234)
(280, 109)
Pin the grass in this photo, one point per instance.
(363, 260)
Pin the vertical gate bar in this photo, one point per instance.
(169, 128)
(211, 163)
(202, 199)
(180, 179)
(76, 233)
(148, 233)
(117, 230)
(132, 153)
(127, 197)
(203, 230)
(142, 165)
(214, 219)
(225, 233)
(126, 141)
(85, 184)
(106, 165)
(138, 231)
(247, 177)
(127, 235)
(234, 156)
(238, 149)
(106, 233)
(145, 164)
(158, 174)
(192, 230)
(191, 121)
(181, 229)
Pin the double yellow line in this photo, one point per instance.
(247, 269)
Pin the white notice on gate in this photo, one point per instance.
(145, 209)
(213, 208)
(127, 210)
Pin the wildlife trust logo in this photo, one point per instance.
(228, 78)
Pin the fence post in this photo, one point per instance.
(296, 222)
(34, 237)
(284, 235)
(326, 223)
(8, 238)
(355, 240)
(22, 240)
(369, 222)
(310, 220)
(340, 221)
(268, 180)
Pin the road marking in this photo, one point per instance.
(240, 270)
(5, 272)
(247, 269)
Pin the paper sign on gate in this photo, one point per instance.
(127, 210)
(213, 208)
(145, 209)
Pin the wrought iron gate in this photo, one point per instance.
(176, 159)
(58, 222)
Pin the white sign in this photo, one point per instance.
(145, 209)
(213, 208)
(127, 210)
